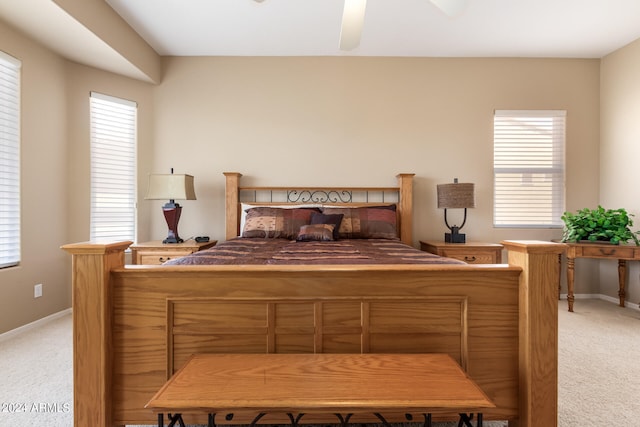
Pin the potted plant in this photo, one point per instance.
(599, 225)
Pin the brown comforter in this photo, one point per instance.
(260, 251)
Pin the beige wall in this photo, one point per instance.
(360, 121)
(55, 172)
(81, 82)
(44, 194)
(620, 152)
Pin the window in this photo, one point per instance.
(528, 168)
(9, 161)
(113, 168)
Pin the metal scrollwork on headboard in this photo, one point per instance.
(319, 196)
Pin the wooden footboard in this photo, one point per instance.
(135, 325)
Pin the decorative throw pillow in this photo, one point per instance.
(276, 222)
(335, 220)
(366, 222)
(245, 206)
(316, 232)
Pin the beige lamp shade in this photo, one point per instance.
(456, 195)
(170, 187)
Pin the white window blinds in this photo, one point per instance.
(9, 161)
(113, 168)
(529, 168)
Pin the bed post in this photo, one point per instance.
(232, 200)
(91, 295)
(538, 330)
(405, 207)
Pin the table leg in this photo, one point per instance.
(559, 276)
(570, 276)
(622, 277)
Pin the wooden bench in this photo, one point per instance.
(339, 384)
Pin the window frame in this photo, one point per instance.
(529, 146)
(10, 147)
(113, 169)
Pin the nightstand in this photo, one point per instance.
(156, 252)
(470, 252)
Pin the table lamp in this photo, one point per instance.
(172, 187)
(456, 196)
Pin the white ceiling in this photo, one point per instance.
(486, 28)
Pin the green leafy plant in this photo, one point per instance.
(599, 225)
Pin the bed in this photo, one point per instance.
(135, 325)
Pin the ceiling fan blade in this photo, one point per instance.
(451, 8)
(352, 21)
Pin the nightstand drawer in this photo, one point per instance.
(473, 258)
(470, 252)
(156, 252)
(157, 258)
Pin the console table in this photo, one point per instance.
(338, 384)
(622, 253)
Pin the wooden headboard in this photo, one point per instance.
(402, 196)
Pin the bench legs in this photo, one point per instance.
(176, 419)
(172, 418)
(465, 420)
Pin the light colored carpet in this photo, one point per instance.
(599, 348)
(598, 370)
(36, 388)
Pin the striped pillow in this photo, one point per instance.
(276, 222)
(379, 222)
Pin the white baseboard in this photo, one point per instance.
(627, 304)
(21, 329)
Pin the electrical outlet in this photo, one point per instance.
(37, 290)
